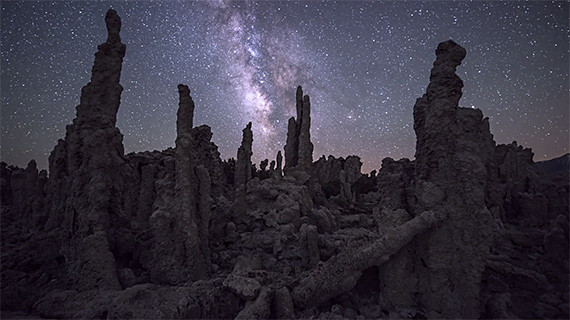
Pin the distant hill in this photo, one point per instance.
(556, 165)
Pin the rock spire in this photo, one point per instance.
(454, 156)
(27, 189)
(299, 148)
(194, 260)
(184, 144)
(279, 167)
(180, 250)
(243, 165)
(86, 171)
(105, 76)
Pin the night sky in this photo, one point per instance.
(362, 63)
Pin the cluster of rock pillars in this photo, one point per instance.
(469, 229)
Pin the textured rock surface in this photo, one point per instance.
(187, 184)
(341, 273)
(181, 251)
(465, 230)
(453, 151)
(337, 176)
(87, 172)
(200, 300)
(206, 154)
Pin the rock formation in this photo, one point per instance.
(185, 176)
(299, 148)
(87, 171)
(243, 164)
(336, 176)
(206, 154)
(190, 182)
(305, 144)
(451, 139)
(466, 230)
(27, 195)
(275, 167)
(279, 167)
(6, 184)
(340, 274)
(181, 248)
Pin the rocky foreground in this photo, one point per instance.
(469, 229)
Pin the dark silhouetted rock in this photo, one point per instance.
(341, 273)
(305, 144)
(454, 151)
(243, 164)
(336, 176)
(206, 154)
(27, 195)
(88, 170)
(278, 169)
(6, 184)
(299, 148)
(180, 251)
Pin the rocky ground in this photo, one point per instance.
(468, 229)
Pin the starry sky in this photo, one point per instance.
(362, 63)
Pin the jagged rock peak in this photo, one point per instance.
(454, 156)
(305, 145)
(299, 93)
(183, 90)
(113, 22)
(247, 134)
(243, 165)
(185, 116)
(88, 173)
(450, 52)
(184, 143)
(292, 145)
(100, 99)
(299, 101)
(445, 87)
(299, 149)
(279, 163)
(192, 264)
(448, 56)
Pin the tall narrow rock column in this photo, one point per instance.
(243, 163)
(179, 251)
(292, 145)
(185, 177)
(299, 148)
(305, 144)
(279, 164)
(454, 149)
(186, 190)
(87, 172)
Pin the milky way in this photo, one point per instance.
(244, 67)
(263, 68)
(362, 63)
